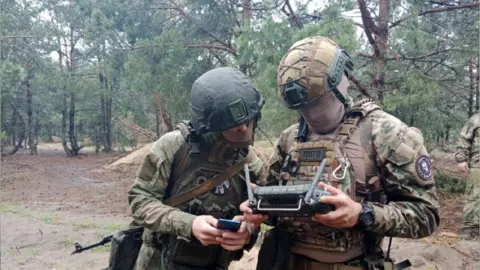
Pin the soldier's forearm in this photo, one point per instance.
(154, 215)
(405, 219)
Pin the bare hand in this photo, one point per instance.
(463, 167)
(255, 219)
(346, 213)
(204, 229)
(235, 240)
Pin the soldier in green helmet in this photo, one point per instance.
(377, 170)
(193, 176)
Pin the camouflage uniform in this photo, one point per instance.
(367, 144)
(468, 150)
(185, 158)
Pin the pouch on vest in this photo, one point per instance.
(194, 253)
(124, 250)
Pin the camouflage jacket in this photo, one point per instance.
(389, 145)
(468, 147)
(147, 193)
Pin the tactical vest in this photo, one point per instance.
(199, 159)
(300, 166)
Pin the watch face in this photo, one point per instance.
(368, 218)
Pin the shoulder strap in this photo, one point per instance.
(207, 185)
(353, 116)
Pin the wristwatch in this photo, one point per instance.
(366, 218)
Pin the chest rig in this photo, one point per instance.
(199, 159)
(299, 167)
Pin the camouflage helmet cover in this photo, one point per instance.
(223, 98)
(311, 68)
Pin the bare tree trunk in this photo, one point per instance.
(447, 134)
(21, 131)
(67, 150)
(13, 126)
(37, 129)
(105, 106)
(73, 139)
(471, 89)
(163, 120)
(108, 120)
(477, 99)
(246, 17)
(102, 131)
(158, 115)
(247, 12)
(71, 127)
(377, 35)
(3, 120)
(31, 125)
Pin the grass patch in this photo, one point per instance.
(52, 219)
(67, 243)
(5, 208)
(86, 223)
(112, 226)
(24, 258)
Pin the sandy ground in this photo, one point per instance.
(49, 202)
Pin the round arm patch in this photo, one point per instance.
(423, 166)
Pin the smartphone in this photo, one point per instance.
(228, 225)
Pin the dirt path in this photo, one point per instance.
(49, 202)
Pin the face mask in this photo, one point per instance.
(324, 114)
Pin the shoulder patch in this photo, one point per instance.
(423, 166)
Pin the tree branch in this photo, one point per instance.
(360, 87)
(437, 10)
(212, 46)
(364, 55)
(369, 24)
(187, 16)
(205, 46)
(12, 37)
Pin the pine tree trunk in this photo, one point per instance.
(31, 125)
(477, 99)
(471, 89)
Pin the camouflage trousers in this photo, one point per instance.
(471, 210)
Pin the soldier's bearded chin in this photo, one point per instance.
(324, 114)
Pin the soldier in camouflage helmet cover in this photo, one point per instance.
(225, 108)
(468, 160)
(362, 145)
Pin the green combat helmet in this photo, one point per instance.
(223, 98)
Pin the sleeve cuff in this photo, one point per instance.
(183, 222)
(380, 219)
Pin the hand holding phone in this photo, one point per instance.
(228, 225)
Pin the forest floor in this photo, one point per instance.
(49, 202)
